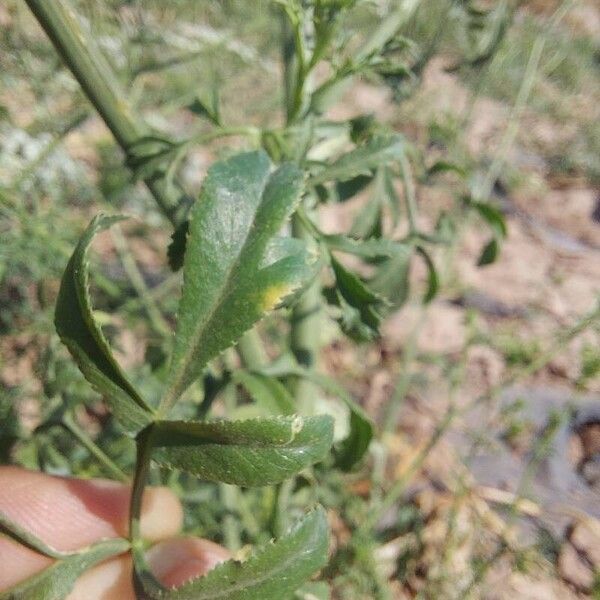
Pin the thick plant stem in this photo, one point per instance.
(306, 318)
(97, 79)
(91, 69)
(305, 339)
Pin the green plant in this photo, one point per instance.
(239, 262)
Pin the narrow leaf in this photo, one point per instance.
(255, 452)
(372, 248)
(83, 337)
(368, 222)
(489, 254)
(443, 166)
(433, 282)
(391, 279)
(385, 187)
(362, 160)
(492, 216)
(359, 305)
(55, 582)
(228, 284)
(273, 573)
(349, 188)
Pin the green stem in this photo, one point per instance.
(409, 193)
(280, 509)
(84, 439)
(305, 329)
(306, 320)
(142, 468)
(97, 79)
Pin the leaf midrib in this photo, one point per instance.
(172, 391)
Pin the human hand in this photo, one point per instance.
(69, 514)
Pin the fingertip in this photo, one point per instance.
(110, 580)
(18, 563)
(162, 514)
(175, 562)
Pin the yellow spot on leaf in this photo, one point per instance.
(274, 294)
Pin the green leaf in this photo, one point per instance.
(362, 160)
(75, 324)
(209, 109)
(351, 450)
(55, 582)
(266, 391)
(391, 279)
(433, 282)
(348, 189)
(372, 248)
(368, 222)
(274, 572)
(314, 590)
(444, 166)
(255, 452)
(230, 279)
(492, 216)
(384, 187)
(359, 305)
(489, 254)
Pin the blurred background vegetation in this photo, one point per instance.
(486, 399)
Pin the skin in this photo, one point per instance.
(69, 514)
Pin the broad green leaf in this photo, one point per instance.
(274, 572)
(55, 582)
(351, 450)
(78, 330)
(362, 160)
(228, 283)
(266, 391)
(255, 452)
